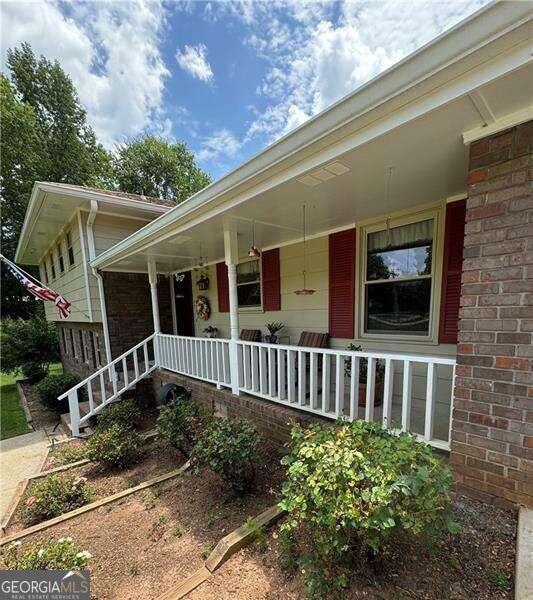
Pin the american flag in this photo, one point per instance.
(39, 291)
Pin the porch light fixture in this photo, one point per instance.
(304, 291)
(203, 282)
(253, 252)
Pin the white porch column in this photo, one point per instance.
(152, 278)
(231, 250)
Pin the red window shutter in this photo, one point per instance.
(271, 280)
(342, 284)
(222, 287)
(451, 271)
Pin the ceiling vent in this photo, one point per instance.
(324, 173)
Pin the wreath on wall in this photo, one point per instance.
(203, 310)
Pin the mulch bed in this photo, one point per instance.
(155, 460)
(42, 417)
(147, 543)
(459, 570)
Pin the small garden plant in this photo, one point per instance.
(62, 554)
(229, 448)
(180, 422)
(52, 386)
(349, 488)
(126, 413)
(53, 496)
(115, 447)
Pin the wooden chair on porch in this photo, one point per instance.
(251, 335)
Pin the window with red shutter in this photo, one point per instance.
(342, 284)
(451, 271)
(222, 287)
(271, 280)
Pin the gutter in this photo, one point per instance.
(99, 279)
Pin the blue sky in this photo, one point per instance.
(227, 77)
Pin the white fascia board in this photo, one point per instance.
(406, 85)
(517, 118)
(34, 205)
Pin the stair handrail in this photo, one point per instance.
(106, 367)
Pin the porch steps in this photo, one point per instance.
(85, 430)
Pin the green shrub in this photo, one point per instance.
(52, 386)
(180, 422)
(62, 554)
(115, 447)
(350, 487)
(126, 413)
(53, 496)
(63, 454)
(229, 448)
(28, 346)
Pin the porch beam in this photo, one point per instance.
(152, 278)
(231, 251)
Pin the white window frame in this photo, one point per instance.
(69, 246)
(257, 307)
(436, 214)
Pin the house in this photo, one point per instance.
(399, 220)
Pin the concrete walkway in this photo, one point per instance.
(20, 457)
(524, 555)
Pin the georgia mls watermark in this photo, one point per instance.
(44, 585)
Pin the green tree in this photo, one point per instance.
(154, 167)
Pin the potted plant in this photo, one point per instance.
(211, 331)
(363, 369)
(273, 329)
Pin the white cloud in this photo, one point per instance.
(193, 60)
(111, 51)
(222, 144)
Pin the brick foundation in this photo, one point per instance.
(492, 429)
(273, 420)
(129, 309)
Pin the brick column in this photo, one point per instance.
(492, 428)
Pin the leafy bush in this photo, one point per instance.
(229, 448)
(180, 422)
(62, 554)
(62, 454)
(126, 413)
(28, 346)
(350, 487)
(53, 496)
(115, 447)
(52, 386)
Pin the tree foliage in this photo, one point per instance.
(154, 167)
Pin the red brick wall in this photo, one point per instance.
(129, 309)
(72, 359)
(492, 430)
(273, 420)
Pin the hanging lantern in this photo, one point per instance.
(253, 252)
(304, 291)
(203, 282)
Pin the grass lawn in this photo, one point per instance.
(12, 418)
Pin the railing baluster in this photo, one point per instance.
(313, 380)
(136, 364)
(103, 395)
(301, 377)
(354, 387)
(339, 386)
(90, 395)
(326, 383)
(406, 396)
(272, 372)
(291, 375)
(263, 370)
(145, 353)
(255, 368)
(74, 410)
(370, 388)
(387, 393)
(430, 402)
(246, 366)
(125, 370)
(281, 374)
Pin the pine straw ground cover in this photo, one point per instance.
(146, 544)
(155, 459)
(476, 563)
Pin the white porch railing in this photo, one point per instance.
(110, 382)
(325, 382)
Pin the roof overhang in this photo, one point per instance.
(489, 53)
(53, 205)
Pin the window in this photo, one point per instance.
(72, 344)
(249, 284)
(397, 285)
(52, 265)
(70, 249)
(60, 259)
(45, 272)
(81, 340)
(96, 348)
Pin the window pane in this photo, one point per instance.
(248, 271)
(398, 307)
(249, 294)
(399, 263)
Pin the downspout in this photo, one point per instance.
(99, 279)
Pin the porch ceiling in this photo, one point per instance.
(427, 153)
